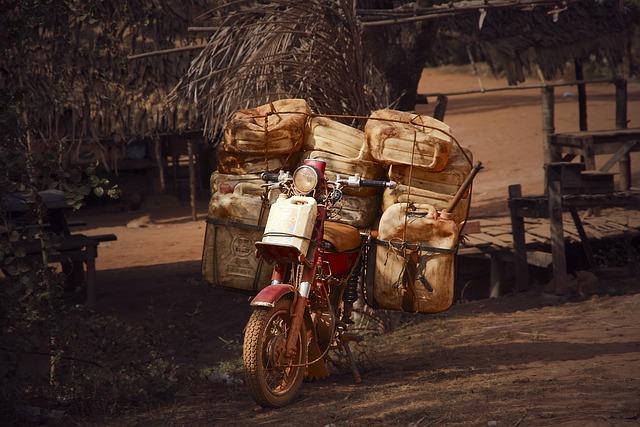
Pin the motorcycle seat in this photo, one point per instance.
(343, 237)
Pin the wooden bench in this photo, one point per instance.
(588, 144)
(76, 249)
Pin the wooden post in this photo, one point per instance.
(586, 246)
(582, 95)
(556, 225)
(621, 123)
(519, 243)
(92, 253)
(159, 156)
(441, 107)
(192, 178)
(496, 275)
(548, 127)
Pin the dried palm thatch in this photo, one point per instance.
(260, 52)
(67, 61)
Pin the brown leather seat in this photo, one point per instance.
(343, 237)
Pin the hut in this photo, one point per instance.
(80, 77)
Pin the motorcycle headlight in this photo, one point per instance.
(305, 179)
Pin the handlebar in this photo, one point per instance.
(377, 184)
(270, 176)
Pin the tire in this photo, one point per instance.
(260, 345)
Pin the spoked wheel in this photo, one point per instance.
(272, 380)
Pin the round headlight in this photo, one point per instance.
(305, 179)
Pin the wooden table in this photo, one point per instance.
(588, 144)
(72, 251)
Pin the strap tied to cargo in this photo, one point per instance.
(229, 223)
(421, 247)
(280, 234)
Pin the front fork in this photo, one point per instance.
(299, 305)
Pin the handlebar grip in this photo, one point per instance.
(377, 184)
(269, 176)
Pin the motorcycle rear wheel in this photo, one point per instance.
(271, 382)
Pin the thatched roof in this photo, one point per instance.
(260, 52)
(515, 36)
(70, 57)
(68, 61)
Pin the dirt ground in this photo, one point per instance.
(524, 360)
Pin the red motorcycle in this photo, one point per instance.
(318, 265)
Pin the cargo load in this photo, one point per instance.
(333, 137)
(238, 164)
(418, 196)
(256, 132)
(359, 212)
(446, 181)
(398, 138)
(337, 165)
(235, 220)
(414, 260)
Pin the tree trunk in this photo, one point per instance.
(400, 52)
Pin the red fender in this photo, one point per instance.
(270, 295)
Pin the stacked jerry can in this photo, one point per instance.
(346, 152)
(253, 142)
(413, 257)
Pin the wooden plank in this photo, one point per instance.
(490, 239)
(556, 226)
(622, 152)
(519, 243)
(586, 246)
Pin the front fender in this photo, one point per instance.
(270, 295)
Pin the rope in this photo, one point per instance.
(361, 117)
(358, 117)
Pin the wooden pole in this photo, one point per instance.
(548, 127)
(192, 178)
(557, 227)
(519, 243)
(441, 107)
(586, 246)
(582, 95)
(621, 123)
(496, 275)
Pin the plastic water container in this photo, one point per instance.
(446, 181)
(415, 280)
(239, 164)
(359, 212)
(291, 222)
(391, 136)
(247, 133)
(327, 135)
(418, 196)
(235, 222)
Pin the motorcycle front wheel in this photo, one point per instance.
(272, 380)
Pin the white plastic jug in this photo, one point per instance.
(291, 221)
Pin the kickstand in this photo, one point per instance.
(352, 363)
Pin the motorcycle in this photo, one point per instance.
(318, 266)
